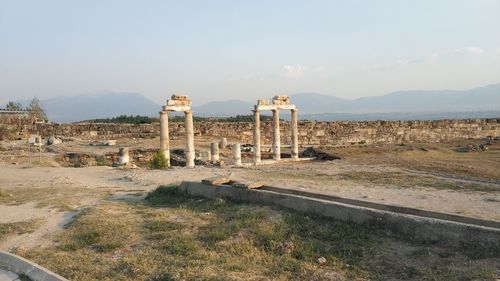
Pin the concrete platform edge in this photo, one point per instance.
(409, 227)
(23, 266)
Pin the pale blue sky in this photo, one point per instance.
(216, 50)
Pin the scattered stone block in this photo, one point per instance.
(281, 100)
(53, 140)
(223, 143)
(321, 260)
(262, 102)
(216, 180)
(248, 184)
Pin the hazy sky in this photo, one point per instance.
(216, 50)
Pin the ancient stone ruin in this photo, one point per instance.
(178, 103)
(278, 103)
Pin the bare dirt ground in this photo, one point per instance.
(38, 203)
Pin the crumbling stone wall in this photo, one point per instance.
(310, 132)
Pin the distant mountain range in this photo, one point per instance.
(474, 103)
(85, 107)
(481, 102)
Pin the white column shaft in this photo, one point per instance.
(214, 150)
(237, 154)
(295, 134)
(276, 135)
(189, 153)
(256, 137)
(164, 138)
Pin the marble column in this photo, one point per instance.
(276, 135)
(256, 137)
(189, 153)
(164, 142)
(123, 155)
(237, 154)
(294, 133)
(214, 150)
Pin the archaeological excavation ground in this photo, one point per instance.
(401, 200)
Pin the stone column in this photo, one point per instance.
(223, 143)
(164, 142)
(214, 150)
(295, 135)
(189, 153)
(256, 137)
(237, 154)
(276, 135)
(123, 156)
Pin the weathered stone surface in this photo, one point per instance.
(248, 184)
(179, 100)
(335, 133)
(262, 102)
(281, 100)
(124, 157)
(216, 180)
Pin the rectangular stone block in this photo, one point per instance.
(216, 180)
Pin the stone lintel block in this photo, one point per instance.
(176, 108)
(179, 102)
(275, 107)
(263, 102)
(265, 107)
(286, 106)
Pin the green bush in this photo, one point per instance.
(160, 161)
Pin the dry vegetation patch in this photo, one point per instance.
(18, 228)
(173, 236)
(444, 158)
(407, 180)
(62, 198)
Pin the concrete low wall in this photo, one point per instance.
(416, 228)
(23, 266)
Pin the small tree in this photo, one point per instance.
(13, 106)
(36, 109)
(160, 161)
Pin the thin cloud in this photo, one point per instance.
(474, 50)
(430, 59)
(293, 71)
(470, 50)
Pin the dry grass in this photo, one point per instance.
(19, 228)
(442, 158)
(172, 236)
(405, 180)
(390, 179)
(60, 198)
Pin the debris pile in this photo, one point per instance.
(312, 152)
